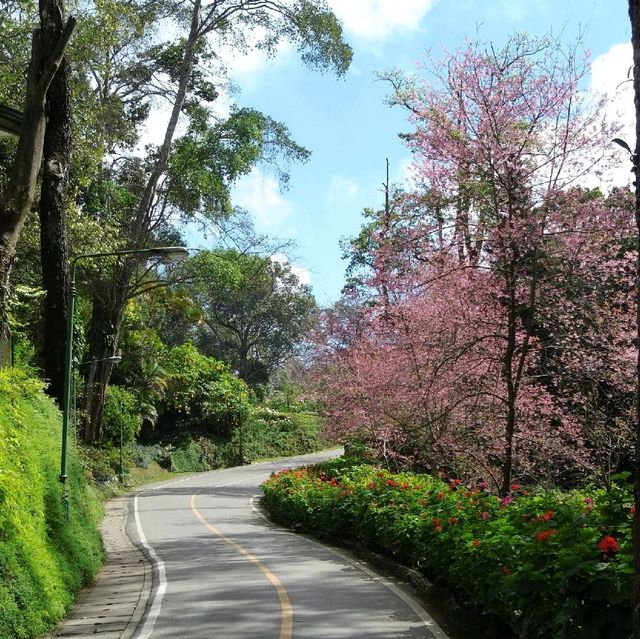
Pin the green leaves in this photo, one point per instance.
(535, 562)
(44, 558)
(201, 392)
(206, 161)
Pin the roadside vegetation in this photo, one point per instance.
(45, 557)
(546, 563)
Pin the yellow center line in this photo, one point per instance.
(286, 619)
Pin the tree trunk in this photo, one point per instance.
(109, 317)
(510, 426)
(18, 196)
(634, 16)
(102, 340)
(53, 232)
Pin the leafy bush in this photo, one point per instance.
(188, 457)
(270, 433)
(551, 564)
(121, 415)
(44, 558)
(202, 393)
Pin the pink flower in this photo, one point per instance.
(506, 501)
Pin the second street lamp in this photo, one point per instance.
(167, 252)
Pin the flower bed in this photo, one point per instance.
(550, 564)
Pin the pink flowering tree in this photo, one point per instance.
(451, 355)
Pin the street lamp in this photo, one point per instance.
(168, 252)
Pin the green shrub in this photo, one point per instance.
(551, 564)
(121, 416)
(202, 393)
(269, 433)
(188, 458)
(44, 558)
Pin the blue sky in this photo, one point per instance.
(349, 129)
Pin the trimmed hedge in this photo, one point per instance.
(550, 564)
(44, 558)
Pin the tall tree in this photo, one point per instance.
(254, 315)
(18, 196)
(634, 16)
(53, 196)
(318, 35)
(459, 271)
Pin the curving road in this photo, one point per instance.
(222, 571)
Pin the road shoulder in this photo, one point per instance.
(114, 604)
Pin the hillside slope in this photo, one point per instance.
(44, 557)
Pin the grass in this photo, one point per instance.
(45, 557)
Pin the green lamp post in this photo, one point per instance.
(167, 252)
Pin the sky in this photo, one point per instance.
(350, 130)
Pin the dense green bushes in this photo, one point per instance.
(44, 558)
(550, 564)
(201, 393)
(271, 433)
(267, 433)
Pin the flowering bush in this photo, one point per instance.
(551, 564)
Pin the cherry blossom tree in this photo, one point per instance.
(452, 356)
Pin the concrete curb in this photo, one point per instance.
(113, 606)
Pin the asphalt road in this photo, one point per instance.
(222, 571)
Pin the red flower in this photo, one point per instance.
(515, 486)
(548, 516)
(440, 495)
(392, 483)
(475, 543)
(545, 535)
(609, 544)
(632, 510)
(453, 520)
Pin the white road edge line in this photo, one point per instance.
(156, 604)
(422, 614)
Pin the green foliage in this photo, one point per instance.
(255, 315)
(208, 159)
(202, 393)
(188, 457)
(551, 564)
(270, 433)
(267, 433)
(319, 36)
(44, 559)
(121, 415)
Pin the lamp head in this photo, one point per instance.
(174, 253)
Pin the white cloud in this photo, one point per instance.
(302, 274)
(245, 66)
(610, 73)
(405, 173)
(377, 19)
(341, 188)
(259, 194)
